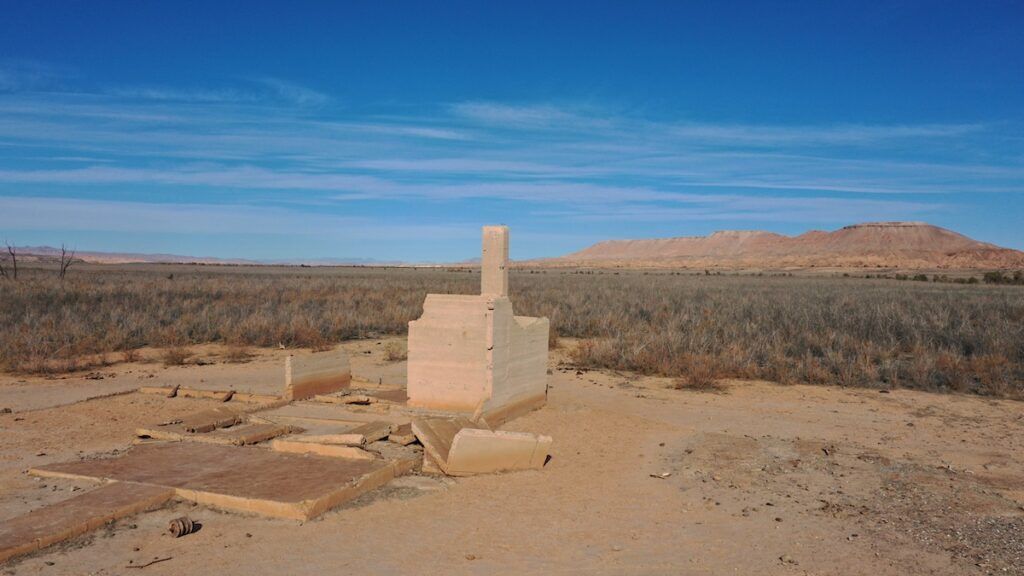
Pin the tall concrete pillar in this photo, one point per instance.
(494, 261)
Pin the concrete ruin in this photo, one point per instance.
(470, 353)
(472, 365)
(322, 373)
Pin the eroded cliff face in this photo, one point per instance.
(872, 244)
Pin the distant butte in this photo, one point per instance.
(912, 245)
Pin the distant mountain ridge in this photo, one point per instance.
(915, 245)
(37, 253)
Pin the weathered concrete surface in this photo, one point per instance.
(210, 420)
(244, 479)
(476, 451)
(323, 373)
(77, 516)
(402, 435)
(239, 435)
(494, 261)
(472, 352)
(320, 449)
(338, 418)
(437, 435)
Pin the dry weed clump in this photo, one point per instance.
(839, 331)
(699, 375)
(238, 354)
(175, 356)
(395, 351)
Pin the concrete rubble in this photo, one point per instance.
(472, 366)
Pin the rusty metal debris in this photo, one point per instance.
(181, 526)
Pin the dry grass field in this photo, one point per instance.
(819, 330)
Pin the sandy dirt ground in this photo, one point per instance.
(755, 478)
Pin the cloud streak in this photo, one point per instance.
(247, 149)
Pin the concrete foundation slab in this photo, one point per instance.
(210, 420)
(332, 413)
(238, 435)
(321, 373)
(330, 450)
(77, 516)
(243, 479)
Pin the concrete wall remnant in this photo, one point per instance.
(468, 351)
(311, 375)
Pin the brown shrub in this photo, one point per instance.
(852, 331)
(698, 375)
(130, 355)
(238, 354)
(395, 351)
(175, 356)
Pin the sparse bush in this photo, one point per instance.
(238, 354)
(698, 375)
(854, 332)
(130, 355)
(395, 351)
(175, 356)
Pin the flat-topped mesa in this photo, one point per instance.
(469, 353)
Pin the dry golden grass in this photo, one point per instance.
(845, 331)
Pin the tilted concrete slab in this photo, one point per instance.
(437, 435)
(321, 373)
(77, 516)
(402, 435)
(476, 451)
(243, 479)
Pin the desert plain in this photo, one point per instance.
(896, 466)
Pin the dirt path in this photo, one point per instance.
(760, 479)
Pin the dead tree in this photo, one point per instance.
(65, 261)
(14, 260)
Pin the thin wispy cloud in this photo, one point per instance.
(263, 142)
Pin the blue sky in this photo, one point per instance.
(393, 130)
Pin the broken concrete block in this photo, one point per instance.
(469, 352)
(237, 435)
(476, 451)
(209, 420)
(219, 395)
(336, 439)
(322, 373)
(461, 447)
(402, 435)
(373, 431)
(332, 450)
(437, 435)
(77, 516)
(430, 466)
(404, 459)
(360, 399)
(243, 479)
